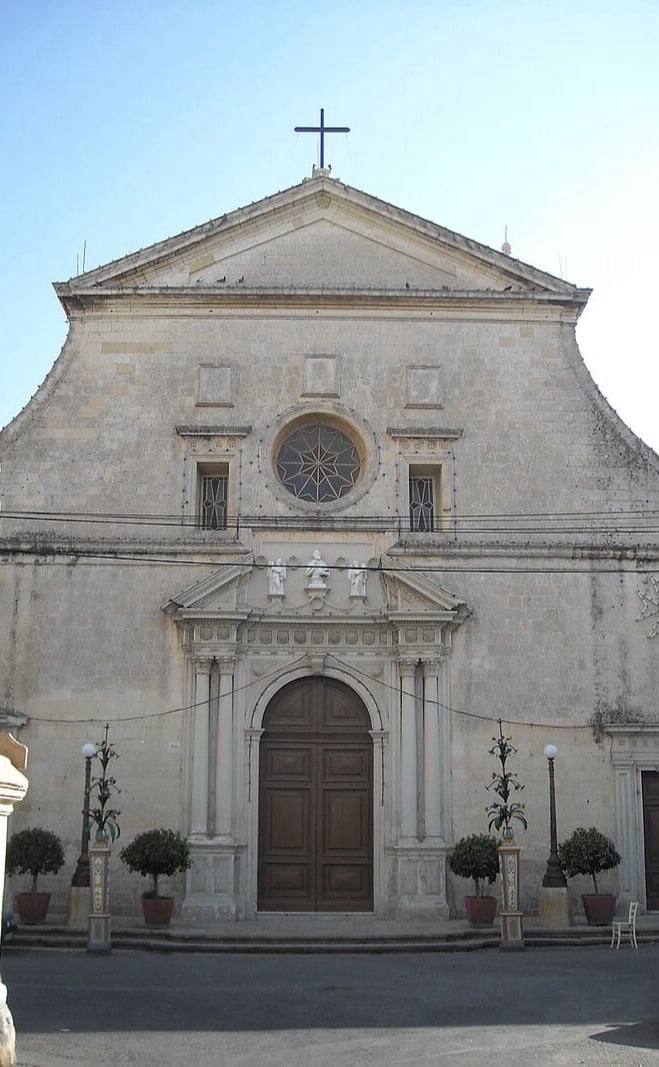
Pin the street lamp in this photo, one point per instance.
(554, 876)
(81, 873)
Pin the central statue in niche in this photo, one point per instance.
(317, 571)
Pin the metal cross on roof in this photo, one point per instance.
(322, 130)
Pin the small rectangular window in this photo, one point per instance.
(422, 502)
(213, 501)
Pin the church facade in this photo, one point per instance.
(316, 494)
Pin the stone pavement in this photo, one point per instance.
(549, 1007)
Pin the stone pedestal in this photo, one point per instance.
(13, 787)
(100, 940)
(511, 916)
(554, 912)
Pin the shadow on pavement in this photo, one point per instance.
(644, 1034)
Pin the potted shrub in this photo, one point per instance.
(477, 857)
(34, 851)
(589, 852)
(156, 852)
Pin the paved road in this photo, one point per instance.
(551, 1006)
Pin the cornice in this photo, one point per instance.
(213, 431)
(78, 299)
(439, 549)
(426, 432)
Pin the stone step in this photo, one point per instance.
(176, 940)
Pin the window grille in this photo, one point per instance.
(214, 501)
(422, 504)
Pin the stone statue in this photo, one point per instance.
(357, 575)
(318, 572)
(276, 577)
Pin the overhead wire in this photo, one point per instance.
(607, 522)
(351, 669)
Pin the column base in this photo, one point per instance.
(554, 911)
(100, 938)
(511, 930)
(420, 877)
(79, 907)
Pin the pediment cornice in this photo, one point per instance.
(219, 595)
(411, 597)
(75, 298)
(183, 259)
(401, 597)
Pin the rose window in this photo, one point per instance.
(319, 463)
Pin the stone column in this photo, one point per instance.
(408, 750)
(13, 787)
(200, 744)
(225, 755)
(432, 749)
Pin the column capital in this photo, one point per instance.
(431, 666)
(407, 667)
(203, 664)
(227, 664)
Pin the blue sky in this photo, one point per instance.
(123, 122)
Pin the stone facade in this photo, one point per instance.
(441, 367)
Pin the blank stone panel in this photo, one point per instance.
(433, 877)
(222, 874)
(321, 376)
(215, 386)
(424, 387)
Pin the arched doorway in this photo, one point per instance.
(316, 800)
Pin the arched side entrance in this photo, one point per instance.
(316, 800)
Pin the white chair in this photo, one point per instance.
(629, 924)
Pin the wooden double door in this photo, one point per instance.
(650, 781)
(316, 800)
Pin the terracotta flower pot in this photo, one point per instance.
(157, 910)
(599, 908)
(32, 907)
(481, 910)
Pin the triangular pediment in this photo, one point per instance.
(319, 235)
(401, 594)
(411, 594)
(221, 593)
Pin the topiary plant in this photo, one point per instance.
(34, 851)
(156, 852)
(476, 857)
(587, 852)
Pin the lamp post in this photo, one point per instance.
(554, 876)
(81, 873)
(79, 894)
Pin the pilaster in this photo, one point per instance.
(408, 750)
(224, 820)
(200, 746)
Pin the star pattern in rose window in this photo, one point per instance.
(318, 463)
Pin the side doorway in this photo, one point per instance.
(316, 800)
(650, 781)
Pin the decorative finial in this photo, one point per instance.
(505, 247)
